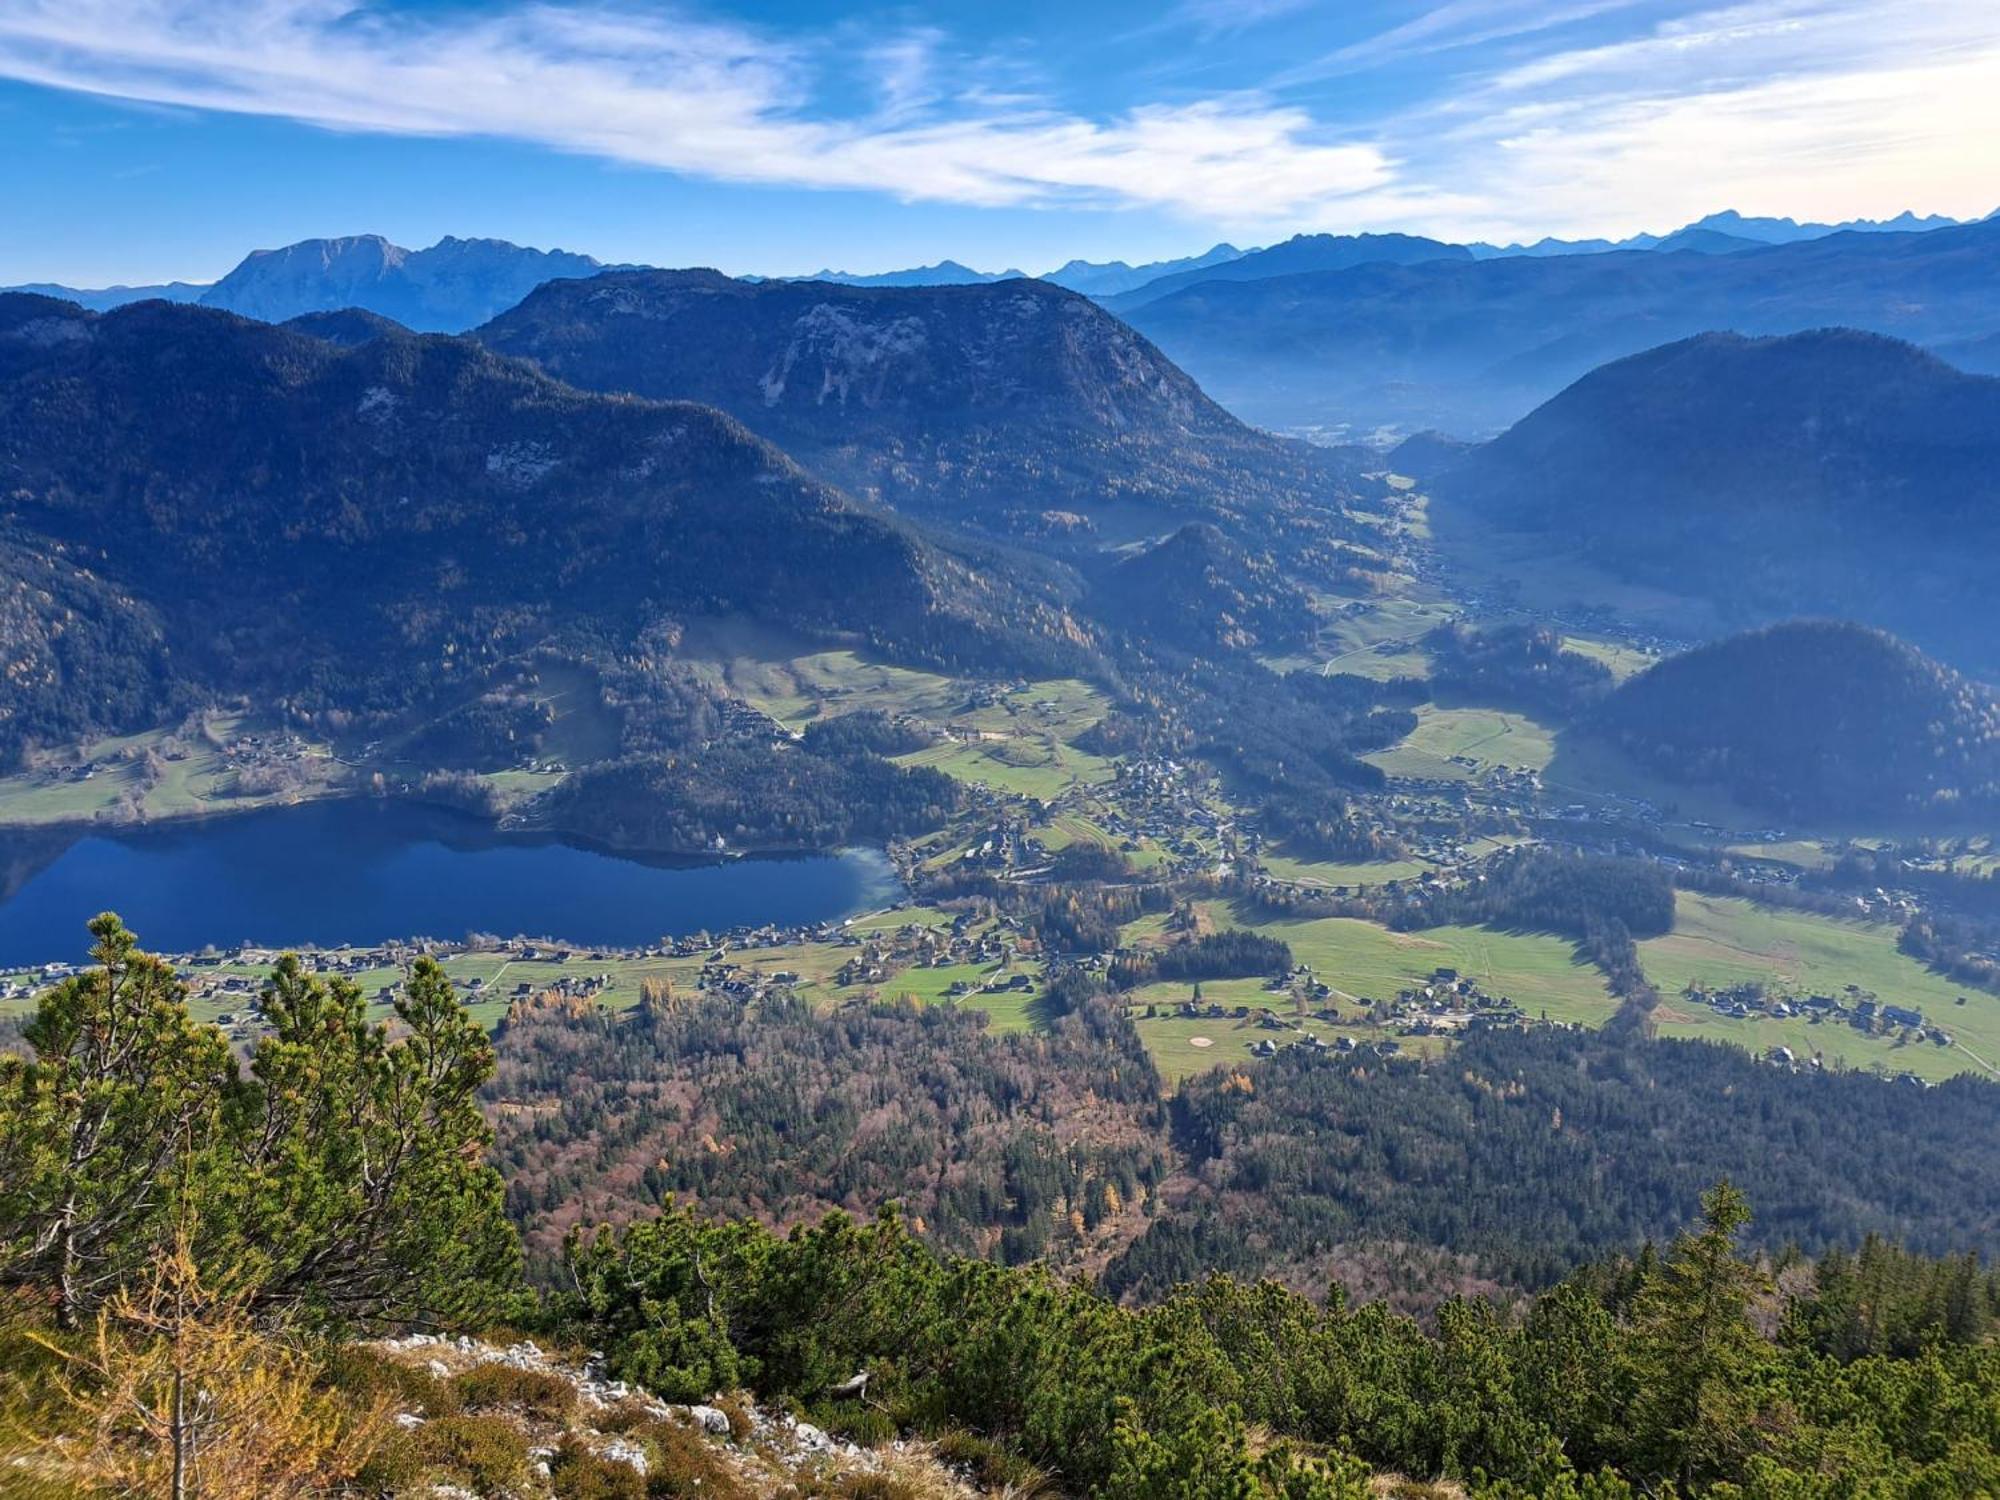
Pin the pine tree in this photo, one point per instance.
(357, 1184)
(1696, 1355)
(122, 1089)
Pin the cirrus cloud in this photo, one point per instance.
(682, 94)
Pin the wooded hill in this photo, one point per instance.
(1814, 720)
(1827, 473)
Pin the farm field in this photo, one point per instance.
(795, 679)
(1722, 941)
(1334, 873)
(1446, 737)
(1622, 660)
(1376, 639)
(1021, 741)
(1184, 1046)
(1359, 959)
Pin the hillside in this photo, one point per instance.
(1814, 721)
(1015, 406)
(1822, 473)
(218, 506)
(1470, 346)
(349, 327)
(452, 286)
(1198, 592)
(1301, 253)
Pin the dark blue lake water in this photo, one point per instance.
(359, 872)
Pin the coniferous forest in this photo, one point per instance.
(176, 1219)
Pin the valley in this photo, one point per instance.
(1237, 750)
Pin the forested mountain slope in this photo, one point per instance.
(1015, 407)
(1815, 720)
(200, 504)
(1830, 472)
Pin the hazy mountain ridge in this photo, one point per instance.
(1469, 346)
(988, 405)
(1108, 278)
(1300, 254)
(944, 273)
(1831, 472)
(103, 299)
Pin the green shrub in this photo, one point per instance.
(576, 1473)
(487, 1452)
(367, 1373)
(539, 1393)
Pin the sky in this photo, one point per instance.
(150, 140)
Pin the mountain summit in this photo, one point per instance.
(994, 405)
(454, 285)
(1817, 473)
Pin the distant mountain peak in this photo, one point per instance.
(451, 286)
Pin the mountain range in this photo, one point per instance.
(1832, 472)
(459, 283)
(1731, 227)
(1301, 253)
(1108, 278)
(447, 288)
(450, 287)
(1016, 407)
(1468, 346)
(199, 505)
(944, 273)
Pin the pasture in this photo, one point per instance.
(1458, 744)
(1723, 941)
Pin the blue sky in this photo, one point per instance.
(155, 139)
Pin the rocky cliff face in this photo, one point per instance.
(987, 405)
(454, 285)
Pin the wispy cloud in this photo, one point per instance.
(687, 95)
(1816, 108)
(1669, 109)
(1453, 25)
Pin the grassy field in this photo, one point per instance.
(795, 679)
(1334, 873)
(1021, 741)
(1364, 960)
(1804, 854)
(1487, 737)
(199, 780)
(1375, 638)
(1624, 661)
(1182, 1047)
(1720, 941)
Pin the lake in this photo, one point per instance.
(358, 872)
